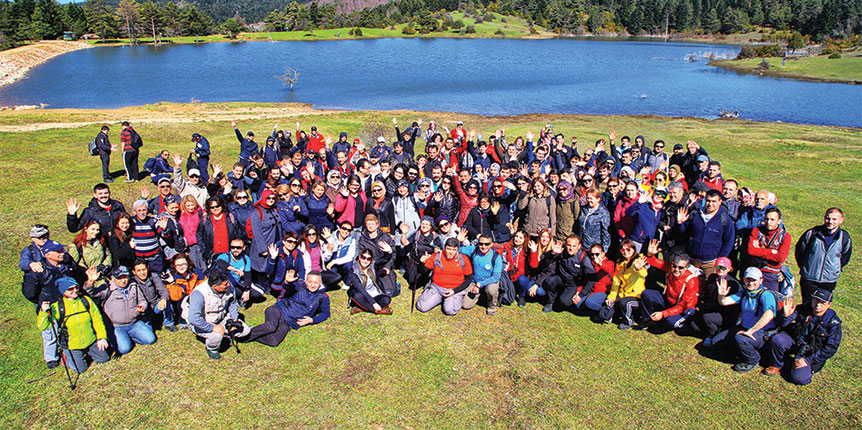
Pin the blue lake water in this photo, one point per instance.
(491, 77)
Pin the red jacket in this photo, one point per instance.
(518, 264)
(716, 184)
(604, 276)
(315, 143)
(769, 241)
(681, 292)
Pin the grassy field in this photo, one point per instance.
(514, 27)
(519, 369)
(847, 69)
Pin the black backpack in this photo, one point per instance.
(137, 141)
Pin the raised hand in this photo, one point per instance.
(395, 121)
(723, 288)
(233, 123)
(217, 168)
(72, 206)
(682, 215)
(272, 249)
(404, 228)
(533, 246)
(511, 227)
(145, 193)
(290, 276)
(653, 248)
(424, 257)
(528, 135)
(472, 133)
(600, 260)
(789, 306)
(297, 127)
(438, 196)
(558, 247)
(495, 207)
(640, 262)
(162, 223)
(178, 161)
(462, 235)
(92, 274)
(384, 247)
(691, 142)
(343, 191)
(330, 209)
(612, 135)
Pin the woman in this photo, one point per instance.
(568, 209)
(190, 218)
(540, 212)
(241, 206)
(542, 265)
(91, 250)
(381, 205)
(416, 245)
(479, 220)
(594, 222)
(408, 208)
(605, 269)
(366, 293)
(627, 286)
(469, 197)
(516, 254)
(333, 184)
(625, 224)
(312, 255)
(181, 281)
(263, 229)
(399, 173)
(318, 206)
(675, 175)
(445, 201)
(216, 229)
(503, 195)
(350, 202)
(121, 244)
(292, 211)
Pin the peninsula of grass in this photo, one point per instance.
(847, 69)
(518, 369)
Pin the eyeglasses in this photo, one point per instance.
(241, 197)
(484, 243)
(347, 229)
(613, 185)
(680, 267)
(236, 247)
(364, 258)
(271, 198)
(194, 176)
(180, 264)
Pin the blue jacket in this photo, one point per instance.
(316, 210)
(202, 148)
(271, 155)
(751, 218)
(647, 221)
(818, 261)
(292, 220)
(708, 241)
(595, 227)
(241, 212)
(246, 146)
(284, 262)
(30, 254)
(486, 268)
(304, 303)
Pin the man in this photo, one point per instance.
(341, 145)
(132, 143)
(756, 317)
(768, 247)
(574, 278)
(104, 149)
(156, 205)
(210, 307)
(102, 208)
(711, 318)
(202, 152)
(247, 145)
(408, 138)
(676, 305)
(487, 268)
(451, 275)
(125, 306)
(657, 159)
(710, 232)
(713, 178)
(363, 170)
(380, 152)
(146, 234)
(160, 168)
(729, 200)
(815, 338)
(821, 253)
(238, 266)
(308, 305)
(33, 255)
(678, 157)
(315, 141)
(194, 187)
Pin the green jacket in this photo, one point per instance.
(83, 327)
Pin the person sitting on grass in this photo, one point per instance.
(211, 308)
(711, 318)
(814, 335)
(79, 324)
(366, 293)
(182, 280)
(451, 274)
(308, 304)
(682, 286)
(487, 268)
(125, 305)
(153, 288)
(756, 317)
(627, 286)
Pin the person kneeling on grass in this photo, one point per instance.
(451, 274)
(682, 288)
(81, 329)
(627, 286)
(210, 307)
(814, 336)
(366, 293)
(125, 306)
(309, 304)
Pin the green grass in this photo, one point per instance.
(848, 68)
(519, 369)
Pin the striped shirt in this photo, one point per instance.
(146, 240)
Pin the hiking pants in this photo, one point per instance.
(130, 162)
(749, 348)
(778, 347)
(433, 296)
(358, 299)
(272, 331)
(492, 294)
(76, 359)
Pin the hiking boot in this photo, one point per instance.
(53, 364)
(108, 181)
(522, 301)
(213, 355)
(743, 367)
(355, 310)
(624, 326)
(490, 311)
(771, 370)
(548, 308)
(386, 310)
(129, 181)
(708, 342)
(171, 328)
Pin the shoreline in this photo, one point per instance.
(748, 70)
(16, 62)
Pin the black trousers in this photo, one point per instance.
(272, 331)
(330, 279)
(106, 165)
(359, 299)
(130, 161)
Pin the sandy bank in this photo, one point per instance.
(14, 63)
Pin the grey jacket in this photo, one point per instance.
(817, 262)
(120, 306)
(153, 288)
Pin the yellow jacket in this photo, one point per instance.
(83, 327)
(628, 282)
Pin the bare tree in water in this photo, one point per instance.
(289, 77)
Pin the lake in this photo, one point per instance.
(490, 77)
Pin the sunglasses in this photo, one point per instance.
(498, 186)
(613, 185)
(425, 186)
(312, 233)
(164, 186)
(721, 268)
(595, 254)
(676, 266)
(293, 241)
(347, 229)
(364, 258)
(659, 146)
(377, 190)
(484, 243)
(442, 224)
(283, 194)
(214, 206)
(294, 185)
(235, 247)
(194, 176)
(241, 197)
(271, 198)
(588, 180)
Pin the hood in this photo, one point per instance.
(262, 201)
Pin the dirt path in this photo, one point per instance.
(14, 63)
(28, 120)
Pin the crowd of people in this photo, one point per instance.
(614, 230)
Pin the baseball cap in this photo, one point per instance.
(119, 272)
(723, 262)
(53, 246)
(194, 172)
(753, 273)
(822, 295)
(381, 139)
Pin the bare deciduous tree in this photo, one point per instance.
(289, 77)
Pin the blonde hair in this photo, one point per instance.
(185, 200)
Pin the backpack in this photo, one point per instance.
(150, 164)
(137, 141)
(92, 148)
(61, 310)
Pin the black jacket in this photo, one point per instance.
(205, 233)
(106, 217)
(816, 338)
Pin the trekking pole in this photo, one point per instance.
(61, 344)
(413, 299)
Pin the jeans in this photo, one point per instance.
(595, 301)
(106, 165)
(359, 299)
(49, 344)
(125, 337)
(76, 359)
(197, 256)
(778, 347)
(749, 348)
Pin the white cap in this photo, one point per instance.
(752, 273)
(381, 139)
(194, 172)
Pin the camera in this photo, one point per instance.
(233, 326)
(104, 270)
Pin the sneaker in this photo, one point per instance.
(771, 370)
(522, 301)
(743, 367)
(548, 308)
(129, 180)
(213, 355)
(708, 343)
(355, 310)
(53, 364)
(624, 326)
(185, 326)
(490, 311)
(171, 328)
(108, 181)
